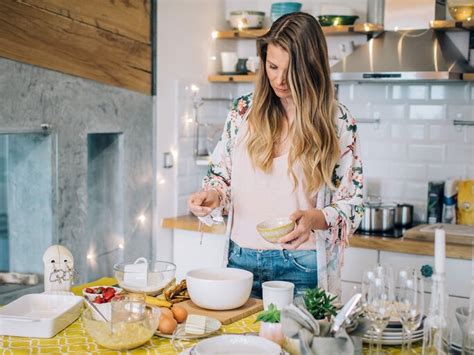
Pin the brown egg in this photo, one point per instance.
(167, 325)
(180, 314)
(166, 312)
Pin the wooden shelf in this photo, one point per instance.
(232, 78)
(360, 28)
(453, 25)
(468, 76)
(237, 34)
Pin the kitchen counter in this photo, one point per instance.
(398, 245)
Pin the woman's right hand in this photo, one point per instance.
(203, 202)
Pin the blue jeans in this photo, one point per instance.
(298, 267)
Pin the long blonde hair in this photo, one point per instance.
(313, 131)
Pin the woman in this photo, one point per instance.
(289, 149)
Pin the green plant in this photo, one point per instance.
(271, 315)
(319, 303)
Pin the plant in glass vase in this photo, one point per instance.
(270, 326)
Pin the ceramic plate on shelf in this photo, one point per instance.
(212, 326)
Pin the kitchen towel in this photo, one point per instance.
(313, 335)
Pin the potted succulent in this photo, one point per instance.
(270, 326)
(319, 303)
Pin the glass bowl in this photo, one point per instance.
(149, 277)
(133, 324)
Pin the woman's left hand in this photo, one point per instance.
(306, 221)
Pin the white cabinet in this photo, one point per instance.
(189, 253)
(355, 261)
(458, 272)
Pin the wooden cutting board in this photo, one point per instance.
(252, 306)
(455, 234)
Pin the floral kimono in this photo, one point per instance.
(343, 207)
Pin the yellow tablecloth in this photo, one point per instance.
(75, 340)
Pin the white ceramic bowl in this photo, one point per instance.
(273, 229)
(219, 288)
(237, 344)
(246, 19)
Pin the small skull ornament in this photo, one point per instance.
(59, 270)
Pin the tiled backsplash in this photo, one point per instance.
(415, 141)
(211, 112)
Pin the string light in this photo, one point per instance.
(91, 256)
(214, 34)
(194, 88)
(161, 182)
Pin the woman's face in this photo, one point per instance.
(277, 69)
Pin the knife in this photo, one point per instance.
(344, 313)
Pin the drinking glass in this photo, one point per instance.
(368, 277)
(409, 304)
(377, 299)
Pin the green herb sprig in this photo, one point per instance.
(319, 303)
(271, 315)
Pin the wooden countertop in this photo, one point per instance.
(397, 245)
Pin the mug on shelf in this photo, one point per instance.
(242, 65)
(229, 61)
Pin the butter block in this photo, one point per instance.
(195, 324)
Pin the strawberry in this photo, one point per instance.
(89, 290)
(98, 300)
(109, 294)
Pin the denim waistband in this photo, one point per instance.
(283, 253)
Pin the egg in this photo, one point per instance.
(166, 312)
(180, 314)
(167, 325)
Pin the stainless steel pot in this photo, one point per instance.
(404, 215)
(378, 217)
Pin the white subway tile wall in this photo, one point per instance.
(416, 141)
(212, 113)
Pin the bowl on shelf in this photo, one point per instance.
(279, 9)
(133, 324)
(246, 19)
(144, 276)
(273, 229)
(219, 288)
(336, 20)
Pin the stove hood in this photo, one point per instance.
(404, 55)
(408, 49)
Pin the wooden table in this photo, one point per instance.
(75, 340)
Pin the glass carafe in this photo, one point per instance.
(437, 330)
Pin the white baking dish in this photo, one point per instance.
(39, 315)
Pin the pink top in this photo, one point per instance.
(258, 196)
